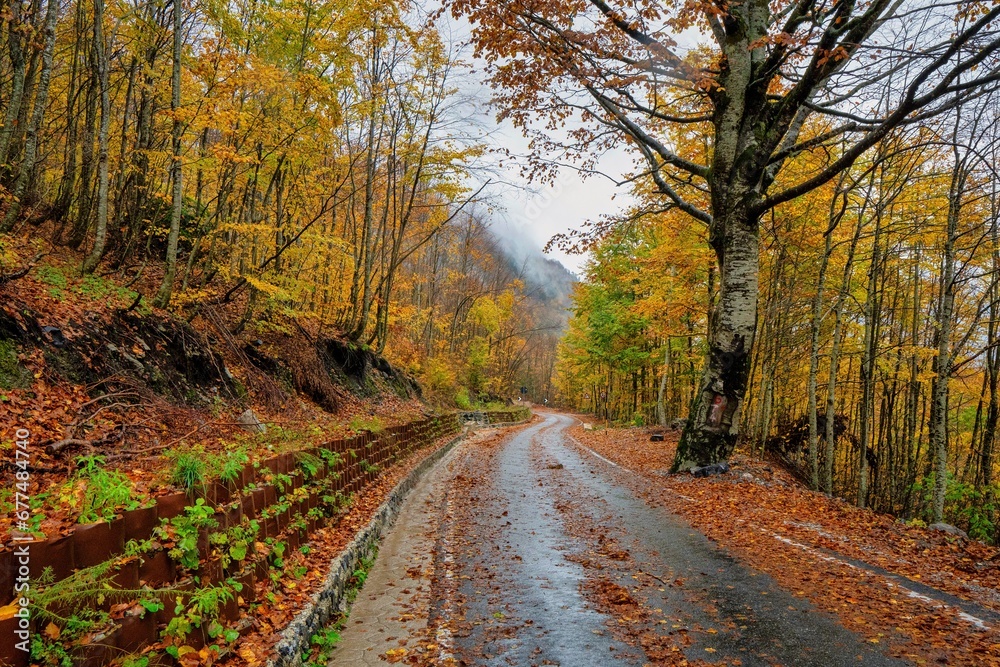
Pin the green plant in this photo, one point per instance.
(278, 553)
(338, 500)
(52, 276)
(105, 491)
(83, 591)
(151, 605)
(371, 424)
(966, 506)
(12, 374)
(368, 467)
(360, 575)
(55, 651)
(201, 609)
(136, 661)
(462, 399)
(321, 646)
(331, 457)
(229, 465)
(298, 523)
(183, 531)
(188, 468)
(96, 287)
(309, 464)
(281, 481)
(235, 543)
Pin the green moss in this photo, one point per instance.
(12, 374)
(372, 424)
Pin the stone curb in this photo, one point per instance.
(330, 598)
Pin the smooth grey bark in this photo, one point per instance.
(15, 44)
(661, 410)
(167, 287)
(836, 215)
(868, 353)
(101, 58)
(712, 427)
(943, 367)
(31, 133)
(811, 385)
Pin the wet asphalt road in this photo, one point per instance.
(519, 545)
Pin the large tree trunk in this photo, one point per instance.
(713, 423)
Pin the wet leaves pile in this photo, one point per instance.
(807, 541)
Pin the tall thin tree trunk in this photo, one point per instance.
(943, 361)
(16, 43)
(817, 309)
(869, 349)
(31, 134)
(101, 55)
(661, 410)
(167, 287)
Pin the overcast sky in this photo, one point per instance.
(523, 211)
(535, 212)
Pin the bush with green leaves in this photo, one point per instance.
(57, 651)
(183, 531)
(105, 492)
(229, 464)
(331, 457)
(309, 464)
(200, 609)
(462, 399)
(975, 510)
(82, 592)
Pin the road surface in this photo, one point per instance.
(522, 548)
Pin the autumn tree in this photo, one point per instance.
(774, 69)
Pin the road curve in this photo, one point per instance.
(542, 556)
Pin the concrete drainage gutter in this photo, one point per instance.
(330, 598)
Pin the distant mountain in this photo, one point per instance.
(545, 279)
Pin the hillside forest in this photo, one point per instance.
(285, 164)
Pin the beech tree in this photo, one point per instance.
(780, 79)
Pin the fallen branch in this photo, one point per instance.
(22, 272)
(135, 304)
(56, 447)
